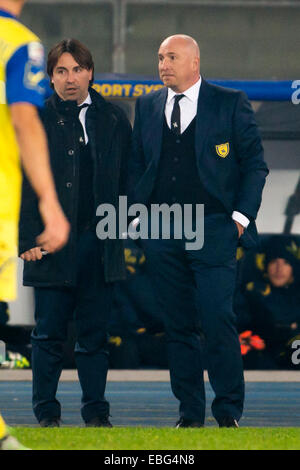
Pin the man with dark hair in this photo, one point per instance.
(196, 143)
(89, 139)
(79, 52)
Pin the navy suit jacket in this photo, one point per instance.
(224, 116)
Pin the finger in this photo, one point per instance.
(39, 254)
(32, 254)
(27, 256)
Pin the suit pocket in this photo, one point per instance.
(236, 231)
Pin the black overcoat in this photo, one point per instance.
(109, 134)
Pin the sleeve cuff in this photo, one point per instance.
(238, 217)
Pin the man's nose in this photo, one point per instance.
(70, 77)
(164, 64)
(279, 266)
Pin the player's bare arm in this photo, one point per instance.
(34, 155)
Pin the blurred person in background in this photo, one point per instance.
(136, 329)
(17, 340)
(136, 335)
(269, 305)
(196, 143)
(22, 135)
(88, 139)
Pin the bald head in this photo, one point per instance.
(179, 62)
(183, 41)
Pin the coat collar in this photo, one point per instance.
(158, 119)
(205, 112)
(70, 108)
(101, 122)
(101, 118)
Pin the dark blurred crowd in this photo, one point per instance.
(267, 307)
(267, 303)
(17, 341)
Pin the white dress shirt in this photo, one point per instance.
(188, 105)
(82, 114)
(188, 110)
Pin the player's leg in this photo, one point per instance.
(8, 442)
(7, 292)
(2, 428)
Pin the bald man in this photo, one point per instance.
(196, 143)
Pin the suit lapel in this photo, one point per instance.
(101, 126)
(206, 118)
(157, 120)
(205, 113)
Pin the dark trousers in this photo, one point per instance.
(90, 304)
(195, 290)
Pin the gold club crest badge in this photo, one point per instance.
(222, 150)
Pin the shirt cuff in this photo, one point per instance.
(244, 221)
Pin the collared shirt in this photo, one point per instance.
(188, 110)
(82, 115)
(188, 105)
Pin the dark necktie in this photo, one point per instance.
(79, 108)
(175, 116)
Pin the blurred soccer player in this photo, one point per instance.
(21, 91)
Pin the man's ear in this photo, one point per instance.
(196, 64)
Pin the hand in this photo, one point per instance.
(33, 254)
(240, 228)
(57, 228)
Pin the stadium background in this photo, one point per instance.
(248, 40)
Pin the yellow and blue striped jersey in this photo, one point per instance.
(21, 81)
